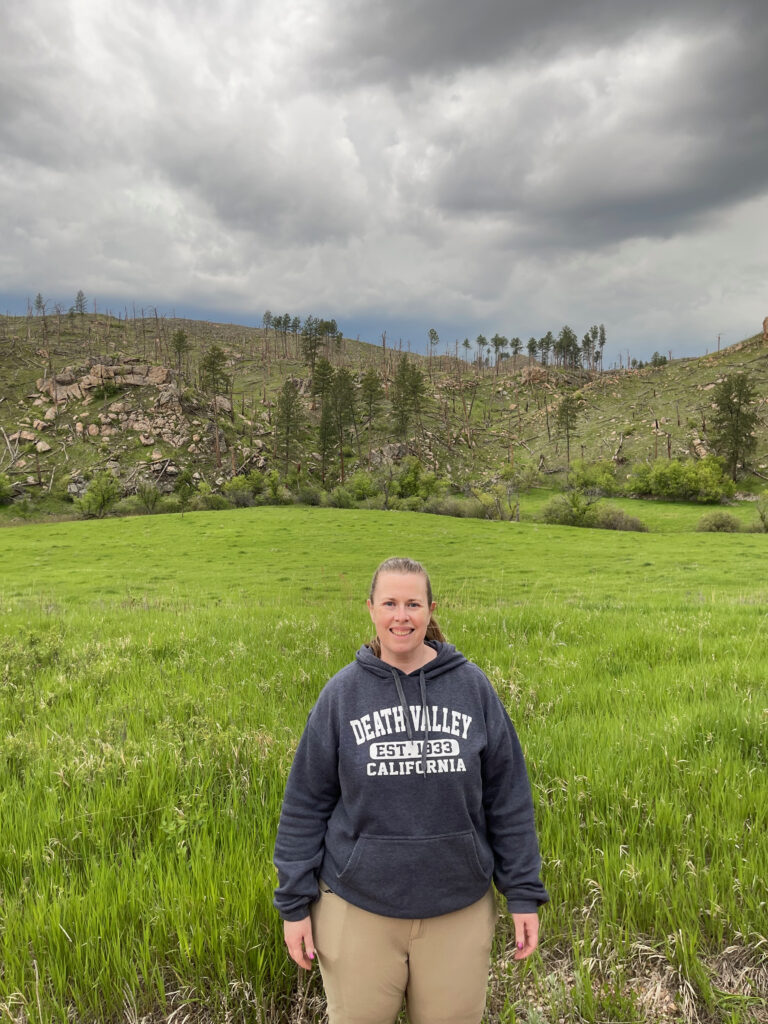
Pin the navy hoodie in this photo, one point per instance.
(407, 794)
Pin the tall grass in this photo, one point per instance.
(155, 676)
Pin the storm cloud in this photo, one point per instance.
(507, 166)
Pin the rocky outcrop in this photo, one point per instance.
(67, 385)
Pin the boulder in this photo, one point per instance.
(146, 440)
(66, 376)
(222, 404)
(23, 435)
(168, 397)
(40, 425)
(42, 447)
(158, 375)
(93, 430)
(79, 428)
(63, 394)
(51, 414)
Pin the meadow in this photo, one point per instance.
(155, 676)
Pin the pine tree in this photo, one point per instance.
(567, 415)
(734, 421)
(408, 391)
(289, 424)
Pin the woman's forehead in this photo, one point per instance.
(401, 584)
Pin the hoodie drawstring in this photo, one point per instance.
(407, 714)
(403, 705)
(425, 717)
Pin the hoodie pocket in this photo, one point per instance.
(404, 865)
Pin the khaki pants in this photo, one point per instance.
(369, 962)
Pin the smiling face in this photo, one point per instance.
(400, 612)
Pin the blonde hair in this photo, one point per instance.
(406, 565)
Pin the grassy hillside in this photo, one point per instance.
(155, 675)
(471, 424)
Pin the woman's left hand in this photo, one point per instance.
(526, 934)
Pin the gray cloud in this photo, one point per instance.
(474, 167)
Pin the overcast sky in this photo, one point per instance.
(483, 166)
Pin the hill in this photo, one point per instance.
(81, 393)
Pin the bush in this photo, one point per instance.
(308, 494)
(147, 496)
(341, 498)
(762, 514)
(703, 481)
(276, 492)
(362, 485)
(128, 506)
(101, 494)
(611, 518)
(571, 509)
(452, 505)
(184, 479)
(718, 522)
(206, 501)
(256, 481)
(238, 491)
(210, 502)
(413, 482)
(413, 504)
(594, 477)
(6, 489)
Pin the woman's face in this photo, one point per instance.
(400, 614)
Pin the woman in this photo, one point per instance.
(408, 794)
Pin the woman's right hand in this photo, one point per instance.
(298, 939)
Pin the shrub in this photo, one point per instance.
(718, 522)
(593, 477)
(308, 494)
(184, 479)
(413, 504)
(238, 491)
(413, 482)
(362, 485)
(210, 502)
(452, 505)
(341, 498)
(6, 489)
(101, 494)
(762, 514)
(571, 509)
(256, 481)
(274, 491)
(703, 481)
(611, 518)
(206, 501)
(147, 496)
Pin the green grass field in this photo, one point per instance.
(155, 675)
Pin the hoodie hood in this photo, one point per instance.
(448, 658)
